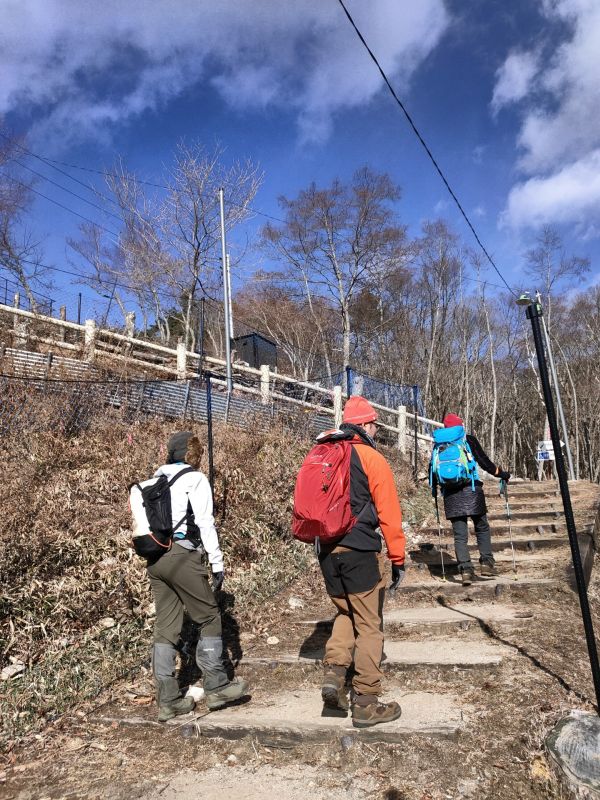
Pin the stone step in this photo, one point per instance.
(500, 528)
(458, 614)
(438, 618)
(291, 718)
(536, 515)
(432, 558)
(500, 543)
(401, 655)
(481, 587)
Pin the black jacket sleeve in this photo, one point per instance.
(480, 455)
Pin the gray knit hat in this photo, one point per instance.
(177, 446)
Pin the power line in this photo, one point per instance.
(425, 146)
(64, 189)
(61, 205)
(61, 171)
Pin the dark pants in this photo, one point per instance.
(180, 581)
(461, 536)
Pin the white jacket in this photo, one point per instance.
(195, 487)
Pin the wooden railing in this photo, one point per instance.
(94, 344)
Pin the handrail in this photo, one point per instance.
(104, 336)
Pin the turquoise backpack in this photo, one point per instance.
(452, 462)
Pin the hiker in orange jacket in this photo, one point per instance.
(353, 568)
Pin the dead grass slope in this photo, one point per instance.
(75, 608)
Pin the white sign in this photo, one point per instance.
(546, 446)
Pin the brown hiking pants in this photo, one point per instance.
(358, 625)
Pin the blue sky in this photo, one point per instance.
(507, 95)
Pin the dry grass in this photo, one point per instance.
(66, 566)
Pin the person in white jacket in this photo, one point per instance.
(180, 581)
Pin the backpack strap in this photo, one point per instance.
(472, 463)
(180, 473)
(189, 512)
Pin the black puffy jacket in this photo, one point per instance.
(462, 501)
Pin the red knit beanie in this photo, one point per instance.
(450, 420)
(359, 411)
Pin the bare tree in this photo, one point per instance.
(20, 251)
(335, 239)
(168, 247)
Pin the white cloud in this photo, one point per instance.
(559, 138)
(569, 195)
(514, 79)
(97, 65)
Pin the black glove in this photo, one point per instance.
(398, 573)
(504, 475)
(218, 578)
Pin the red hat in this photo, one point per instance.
(359, 411)
(450, 420)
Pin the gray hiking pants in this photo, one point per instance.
(461, 536)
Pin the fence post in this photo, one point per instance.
(265, 381)
(130, 323)
(89, 340)
(62, 313)
(337, 405)
(16, 304)
(19, 326)
(402, 429)
(181, 359)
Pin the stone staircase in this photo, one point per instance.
(434, 628)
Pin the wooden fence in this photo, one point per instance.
(91, 346)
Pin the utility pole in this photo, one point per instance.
(561, 412)
(534, 315)
(230, 301)
(226, 299)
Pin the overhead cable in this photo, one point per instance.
(426, 148)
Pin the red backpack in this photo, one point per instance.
(322, 494)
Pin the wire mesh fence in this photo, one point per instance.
(73, 404)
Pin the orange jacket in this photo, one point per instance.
(369, 471)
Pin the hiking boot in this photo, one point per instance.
(468, 576)
(226, 694)
(365, 716)
(333, 690)
(488, 569)
(182, 705)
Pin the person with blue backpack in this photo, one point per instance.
(454, 469)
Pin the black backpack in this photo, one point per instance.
(156, 500)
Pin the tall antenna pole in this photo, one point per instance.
(226, 299)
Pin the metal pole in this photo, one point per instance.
(200, 338)
(79, 308)
(416, 410)
(229, 293)
(110, 299)
(534, 313)
(557, 390)
(211, 467)
(225, 295)
(349, 382)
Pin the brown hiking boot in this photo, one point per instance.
(468, 576)
(375, 713)
(333, 689)
(488, 569)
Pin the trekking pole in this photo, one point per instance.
(439, 524)
(504, 491)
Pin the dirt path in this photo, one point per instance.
(482, 674)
